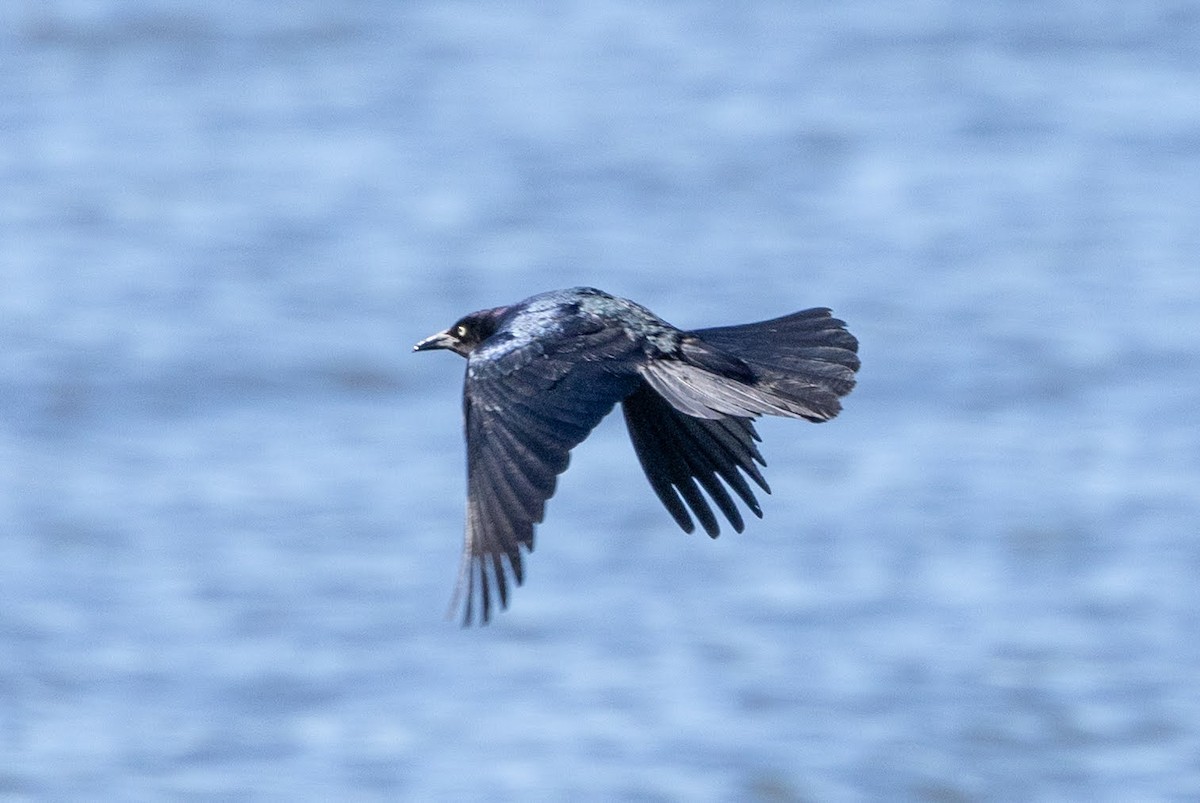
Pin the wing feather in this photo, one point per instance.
(523, 416)
(677, 451)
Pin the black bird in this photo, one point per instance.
(543, 372)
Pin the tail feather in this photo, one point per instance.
(807, 357)
(809, 335)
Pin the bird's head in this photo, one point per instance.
(466, 334)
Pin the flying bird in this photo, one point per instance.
(543, 372)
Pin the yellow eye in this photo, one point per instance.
(460, 331)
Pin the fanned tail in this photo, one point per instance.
(802, 363)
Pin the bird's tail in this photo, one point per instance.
(798, 366)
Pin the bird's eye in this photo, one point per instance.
(460, 331)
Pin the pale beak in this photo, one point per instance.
(442, 340)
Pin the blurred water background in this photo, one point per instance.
(231, 499)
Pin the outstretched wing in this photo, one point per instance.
(526, 405)
(677, 451)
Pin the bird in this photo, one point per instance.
(543, 372)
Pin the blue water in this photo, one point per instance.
(231, 499)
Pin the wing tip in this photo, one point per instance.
(482, 588)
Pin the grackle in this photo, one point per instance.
(543, 372)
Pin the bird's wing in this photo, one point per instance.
(526, 406)
(677, 451)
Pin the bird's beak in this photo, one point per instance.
(442, 340)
